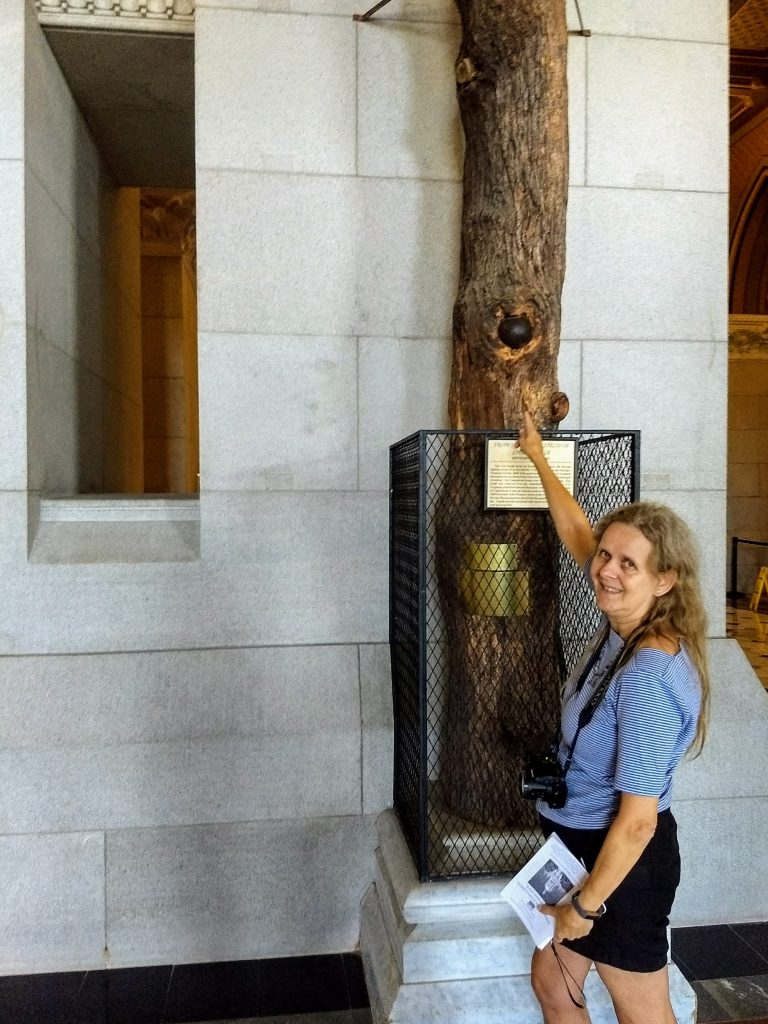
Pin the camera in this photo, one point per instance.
(543, 779)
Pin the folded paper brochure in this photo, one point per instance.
(550, 876)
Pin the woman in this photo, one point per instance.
(652, 666)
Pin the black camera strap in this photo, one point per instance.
(599, 691)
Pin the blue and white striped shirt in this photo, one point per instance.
(637, 737)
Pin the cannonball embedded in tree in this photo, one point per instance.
(515, 331)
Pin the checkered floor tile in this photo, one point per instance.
(750, 628)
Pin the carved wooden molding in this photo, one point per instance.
(747, 336)
(168, 219)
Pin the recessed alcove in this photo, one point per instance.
(747, 447)
(111, 269)
(747, 502)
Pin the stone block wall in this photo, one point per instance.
(200, 747)
(13, 397)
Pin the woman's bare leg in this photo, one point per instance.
(549, 985)
(638, 998)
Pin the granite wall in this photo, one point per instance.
(193, 751)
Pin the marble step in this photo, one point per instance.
(447, 949)
(445, 953)
(481, 1000)
(426, 902)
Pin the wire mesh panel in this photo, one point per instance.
(487, 616)
(407, 639)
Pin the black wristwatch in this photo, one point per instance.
(588, 915)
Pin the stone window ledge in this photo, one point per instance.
(115, 528)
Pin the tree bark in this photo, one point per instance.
(503, 670)
(512, 93)
(503, 674)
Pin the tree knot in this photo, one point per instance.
(466, 71)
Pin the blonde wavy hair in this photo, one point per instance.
(680, 612)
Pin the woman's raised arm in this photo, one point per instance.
(571, 524)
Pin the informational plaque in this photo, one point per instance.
(511, 482)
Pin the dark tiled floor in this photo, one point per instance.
(727, 965)
(718, 951)
(187, 993)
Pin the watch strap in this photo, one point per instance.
(588, 915)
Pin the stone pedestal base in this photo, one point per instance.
(454, 953)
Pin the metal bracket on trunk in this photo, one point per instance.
(369, 14)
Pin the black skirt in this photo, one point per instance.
(632, 934)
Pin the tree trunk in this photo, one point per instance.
(501, 628)
(511, 84)
(503, 669)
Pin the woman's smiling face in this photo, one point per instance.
(625, 585)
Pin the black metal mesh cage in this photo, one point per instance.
(488, 615)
